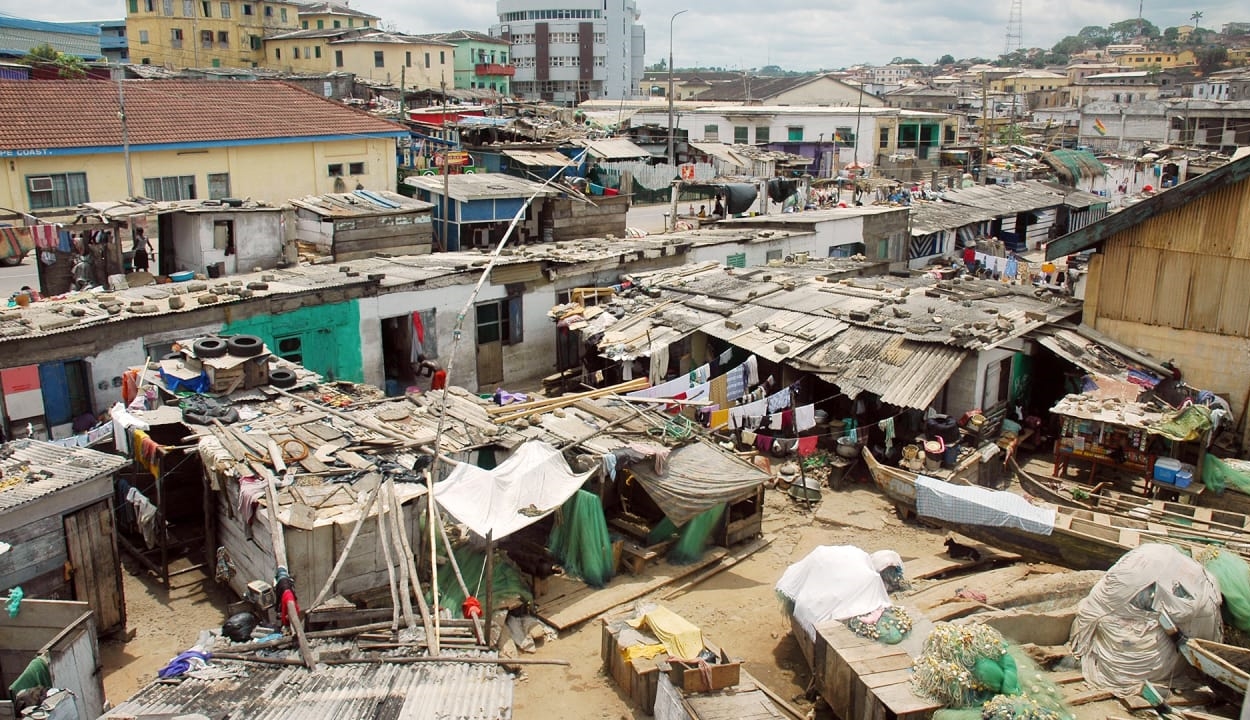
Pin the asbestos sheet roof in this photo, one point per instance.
(930, 217)
(775, 335)
(57, 467)
(1019, 197)
(614, 149)
(903, 372)
(490, 186)
(361, 203)
(538, 158)
(721, 151)
(420, 691)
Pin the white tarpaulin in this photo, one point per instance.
(973, 505)
(527, 486)
(834, 582)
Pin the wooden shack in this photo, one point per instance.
(56, 516)
(364, 223)
(63, 633)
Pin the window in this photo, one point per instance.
(365, 22)
(378, 59)
(427, 61)
(442, 57)
(321, 24)
(844, 135)
(296, 56)
(334, 169)
(740, 134)
(317, 52)
(206, 8)
(277, 52)
(149, 5)
(188, 8)
(225, 10)
(949, 134)
(711, 133)
(883, 137)
(772, 255)
(143, 37)
(223, 39)
(356, 168)
(175, 38)
(247, 9)
(134, 7)
(352, 23)
(338, 24)
(53, 191)
(794, 133)
(174, 187)
(283, 14)
(255, 43)
(206, 39)
(500, 321)
(268, 11)
(291, 348)
(167, 8)
(737, 260)
(503, 58)
(407, 58)
(338, 58)
(761, 136)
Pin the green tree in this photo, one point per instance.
(67, 66)
(1096, 35)
(1127, 30)
(946, 59)
(1172, 34)
(1196, 16)
(1211, 58)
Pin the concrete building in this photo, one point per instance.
(1028, 81)
(1119, 88)
(1078, 71)
(208, 33)
(1154, 59)
(573, 50)
(113, 42)
(371, 55)
(1120, 127)
(19, 36)
(798, 90)
(331, 15)
(481, 61)
(1210, 89)
(921, 97)
(1221, 126)
(187, 140)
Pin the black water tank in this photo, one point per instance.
(943, 426)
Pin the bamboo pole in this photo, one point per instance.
(384, 541)
(410, 560)
(404, 586)
(504, 413)
(347, 548)
(455, 568)
(467, 659)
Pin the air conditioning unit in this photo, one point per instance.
(40, 184)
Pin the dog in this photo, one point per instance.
(959, 551)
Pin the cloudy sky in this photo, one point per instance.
(795, 34)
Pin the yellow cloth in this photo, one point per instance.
(681, 638)
(642, 652)
(720, 419)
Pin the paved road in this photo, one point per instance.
(13, 278)
(647, 217)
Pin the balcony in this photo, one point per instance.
(483, 69)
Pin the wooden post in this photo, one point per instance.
(490, 578)
(404, 599)
(279, 555)
(347, 548)
(412, 565)
(384, 541)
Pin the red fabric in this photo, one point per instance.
(440, 380)
(288, 599)
(418, 327)
(807, 444)
(471, 608)
(970, 254)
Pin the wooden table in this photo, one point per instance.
(1064, 456)
(1186, 495)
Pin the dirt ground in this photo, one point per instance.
(736, 609)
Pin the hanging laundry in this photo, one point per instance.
(145, 515)
(887, 426)
(609, 465)
(764, 443)
(699, 392)
(753, 371)
(720, 419)
(784, 446)
(658, 453)
(754, 409)
(718, 391)
(807, 445)
(804, 417)
(251, 490)
(735, 384)
(779, 401)
(146, 452)
(777, 421)
(667, 390)
(748, 437)
(701, 374)
(726, 357)
(659, 364)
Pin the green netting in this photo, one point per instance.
(580, 539)
(506, 581)
(663, 530)
(1232, 574)
(890, 628)
(695, 536)
(1218, 476)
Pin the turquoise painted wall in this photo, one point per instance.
(325, 339)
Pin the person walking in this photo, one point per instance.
(140, 252)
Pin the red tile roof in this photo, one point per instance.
(84, 113)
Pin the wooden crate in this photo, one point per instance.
(638, 679)
(689, 678)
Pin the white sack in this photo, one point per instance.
(833, 583)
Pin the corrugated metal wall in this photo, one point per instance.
(1187, 269)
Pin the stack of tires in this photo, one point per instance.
(242, 346)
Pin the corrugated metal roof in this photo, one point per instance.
(1026, 196)
(721, 151)
(423, 691)
(903, 372)
(538, 158)
(614, 149)
(931, 217)
(65, 467)
(775, 335)
(361, 203)
(463, 188)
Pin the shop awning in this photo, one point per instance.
(538, 158)
(699, 477)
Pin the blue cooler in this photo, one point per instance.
(1183, 478)
(1166, 469)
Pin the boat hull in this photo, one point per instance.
(1223, 663)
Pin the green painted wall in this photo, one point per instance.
(325, 339)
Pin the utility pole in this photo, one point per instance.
(985, 137)
(403, 92)
(671, 153)
(446, 172)
(121, 115)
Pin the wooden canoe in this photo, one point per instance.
(1082, 539)
(1228, 665)
(1200, 525)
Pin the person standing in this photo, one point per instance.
(140, 252)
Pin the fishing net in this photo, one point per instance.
(580, 539)
(663, 530)
(1024, 692)
(505, 579)
(1219, 476)
(964, 665)
(695, 536)
(890, 627)
(1232, 575)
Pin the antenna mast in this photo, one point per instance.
(1015, 28)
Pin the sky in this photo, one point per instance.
(793, 34)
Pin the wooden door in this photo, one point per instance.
(489, 366)
(92, 548)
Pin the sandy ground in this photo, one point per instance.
(736, 609)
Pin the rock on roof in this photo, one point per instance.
(85, 113)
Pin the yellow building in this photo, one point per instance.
(372, 55)
(329, 16)
(205, 33)
(1155, 59)
(187, 140)
(1030, 81)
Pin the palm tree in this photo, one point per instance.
(1196, 16)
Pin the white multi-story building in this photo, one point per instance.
(567, 51)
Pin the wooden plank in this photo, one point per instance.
(1088, 696)
(933, 565)
(585, 602)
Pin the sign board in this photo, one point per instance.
(687, 172)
